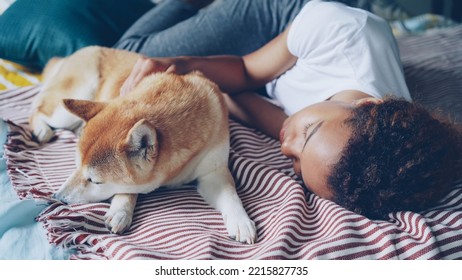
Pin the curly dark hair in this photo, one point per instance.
(399, 157)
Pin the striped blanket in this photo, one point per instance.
(178, 224)
(291, 222)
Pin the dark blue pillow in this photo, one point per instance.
(33, 31)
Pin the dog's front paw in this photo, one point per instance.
(118, 221)
(241, 228)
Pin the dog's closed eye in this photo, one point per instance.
(96, 183)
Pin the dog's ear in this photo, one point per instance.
(84, 109)
(142, 140)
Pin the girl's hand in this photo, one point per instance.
(145, 66)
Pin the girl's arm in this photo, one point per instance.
(255, 111)
(233, 74)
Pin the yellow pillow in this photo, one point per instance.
(13, 75)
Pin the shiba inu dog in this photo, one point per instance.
(169, 130)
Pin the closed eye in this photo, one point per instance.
(96, 183)
(305, 129)
(313, 131)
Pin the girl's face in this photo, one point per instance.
(314, 139)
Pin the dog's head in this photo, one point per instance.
(114, 154)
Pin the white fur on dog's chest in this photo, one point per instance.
(207, 161)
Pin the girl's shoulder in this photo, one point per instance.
(331, 24)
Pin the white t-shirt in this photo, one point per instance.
(338, 48)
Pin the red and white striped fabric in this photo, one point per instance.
(178, 224)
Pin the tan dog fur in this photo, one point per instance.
(168, 131)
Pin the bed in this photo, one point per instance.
(291, 222)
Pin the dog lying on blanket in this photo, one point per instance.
(168, 131)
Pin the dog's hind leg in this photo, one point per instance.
(61, 81)
(43, 125)
(219, 191)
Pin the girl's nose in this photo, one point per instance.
(287, 148)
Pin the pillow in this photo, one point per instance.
(33, 31)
